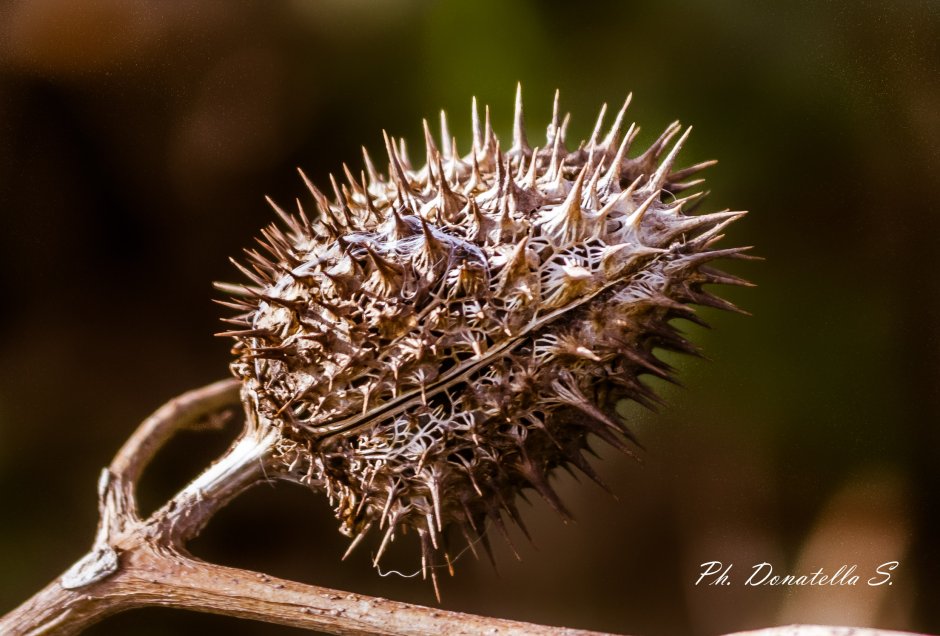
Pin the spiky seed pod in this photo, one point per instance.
(433, 342)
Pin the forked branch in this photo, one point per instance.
(138, 562)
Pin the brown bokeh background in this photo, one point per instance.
(137, 139)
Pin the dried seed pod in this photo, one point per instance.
(436, 341)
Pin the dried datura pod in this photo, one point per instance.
(433, 341)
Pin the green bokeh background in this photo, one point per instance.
(137, 140)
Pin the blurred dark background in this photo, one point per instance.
(137, 139)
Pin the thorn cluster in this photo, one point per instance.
(433, 342)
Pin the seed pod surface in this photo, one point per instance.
(433, 341)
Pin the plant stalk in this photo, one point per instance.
(143, 563)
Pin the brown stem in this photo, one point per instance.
(212, 588)
(137, 563)
(153, 576)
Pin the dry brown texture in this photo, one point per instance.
(434, 341)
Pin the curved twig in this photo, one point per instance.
(137, 563)
(179, 413)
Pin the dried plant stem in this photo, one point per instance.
(138, 562)
(153, 576)
(144, 563)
